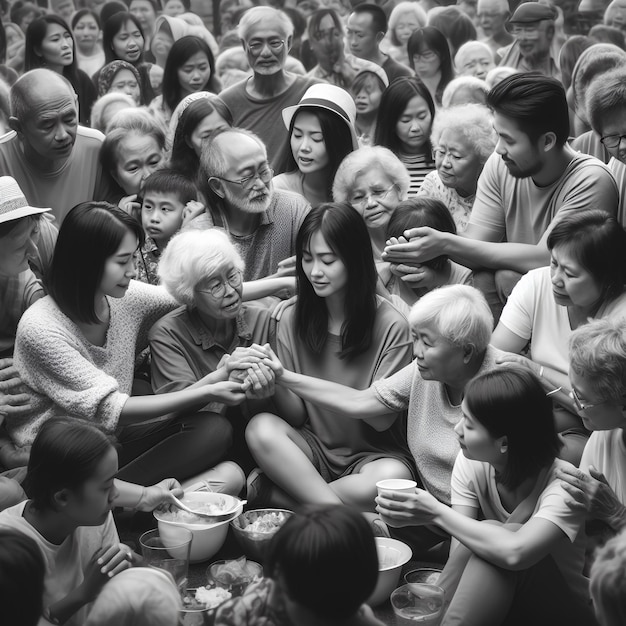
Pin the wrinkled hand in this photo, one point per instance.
(12, 403)
(131, 205)
(517, 360)
(244, 357)
(158, 494)
(192, 209)
(12, 456)
(281, 307)
(259, 382)
(103, 565)
(591, 494)
(287, 267)
(406, 509)
(422, 244)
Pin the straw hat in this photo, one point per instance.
(13, 204)
(331, 98)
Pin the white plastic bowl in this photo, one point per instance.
(207, 539)
(392, 555)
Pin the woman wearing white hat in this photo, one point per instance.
(321, 134)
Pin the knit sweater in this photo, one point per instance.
(65, 374)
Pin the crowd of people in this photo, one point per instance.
(286, 250)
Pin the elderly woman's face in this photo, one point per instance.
(406, 26)
(435, 357)
(218, 296)
(137, 157)
(125, 82)
(375, 196)
(475, 62)
(457, 163)
(572, 283)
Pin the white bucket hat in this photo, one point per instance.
(331, 98)
(13, 204)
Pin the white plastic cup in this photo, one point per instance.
(399, 485)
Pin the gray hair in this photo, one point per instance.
(473, 122)
(502, 5)
(476, 85)
(467, 47)
(597, 350)
(363, 160)
(460, 314)
(100, 106)
(212, 160)
(191, 257)
(498, 74)
(255, 15)
(607, 95)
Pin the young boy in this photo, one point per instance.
(166, 193)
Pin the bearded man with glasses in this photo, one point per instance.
(262, 222)
(256, 102)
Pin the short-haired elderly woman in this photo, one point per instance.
(373, 180)
(404, 20)
(597, 376)
(463, 138)
(213, 329)
(451, 328)
(474, 58)
(585, 280)
(465, 90)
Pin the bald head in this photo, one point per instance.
(36, 86)
(225, 147)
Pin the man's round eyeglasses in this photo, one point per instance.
(247, 182)
(612, 141)
(256, 47)
(218, 289)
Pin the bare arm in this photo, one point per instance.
(470, 250)
(506, 548)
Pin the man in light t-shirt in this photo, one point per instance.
(533, 178)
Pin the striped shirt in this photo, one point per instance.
(417, 166)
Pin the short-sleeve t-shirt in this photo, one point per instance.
(531, 312)
(264, 117)
(64, 563)
(79, 179)
(518, 211)
(474, 485)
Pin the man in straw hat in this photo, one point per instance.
(54, 160)
(20, 229)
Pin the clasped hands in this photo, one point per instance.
(249, 366)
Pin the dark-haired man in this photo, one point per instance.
(533, 178)
(366, 28)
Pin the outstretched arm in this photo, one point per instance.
(505, 548)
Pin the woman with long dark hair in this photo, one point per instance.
(404, 123)
(189, 68)
(50, 44)
(96, 318)
(321, 134)
(337, 330)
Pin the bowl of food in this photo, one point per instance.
(199, 606)
(254, 530)
(392, 555)
(208, 536)
(419, 602)
(235, 575)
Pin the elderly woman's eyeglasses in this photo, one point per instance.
(265, 174)
(441, 153)
(361, 198)
(256, 46)
(612, 141)
(217, 288)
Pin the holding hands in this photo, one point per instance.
(399, 509)
(592, 494)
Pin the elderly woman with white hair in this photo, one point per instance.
(474, 58)
(463, 137)
(373, 180)
(465, 90)
(213, 335)
(404, 19)
(451, 329)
